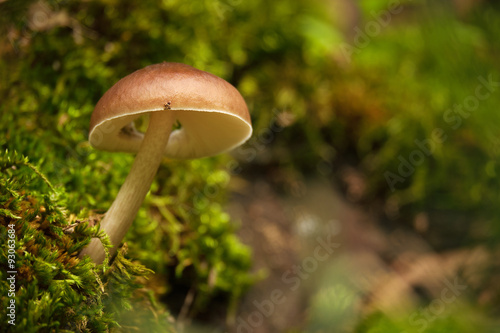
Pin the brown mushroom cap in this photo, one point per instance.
(214, 117)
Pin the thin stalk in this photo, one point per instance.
(122, 212)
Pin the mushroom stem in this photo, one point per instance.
(122, 212)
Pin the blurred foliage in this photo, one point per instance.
(314, 79)
(423, 69)
(460, 318)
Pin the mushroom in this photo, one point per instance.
(212, 114)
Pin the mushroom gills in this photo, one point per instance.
(138, 127)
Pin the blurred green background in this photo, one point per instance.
(391, 105)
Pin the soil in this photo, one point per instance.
(297, 238)
(317, 246)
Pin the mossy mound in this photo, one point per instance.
(54, 289)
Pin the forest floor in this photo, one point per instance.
(327, 260)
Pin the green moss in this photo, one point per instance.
(54, 289)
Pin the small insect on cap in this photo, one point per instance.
(212, 114)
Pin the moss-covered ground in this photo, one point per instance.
(405, 92)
